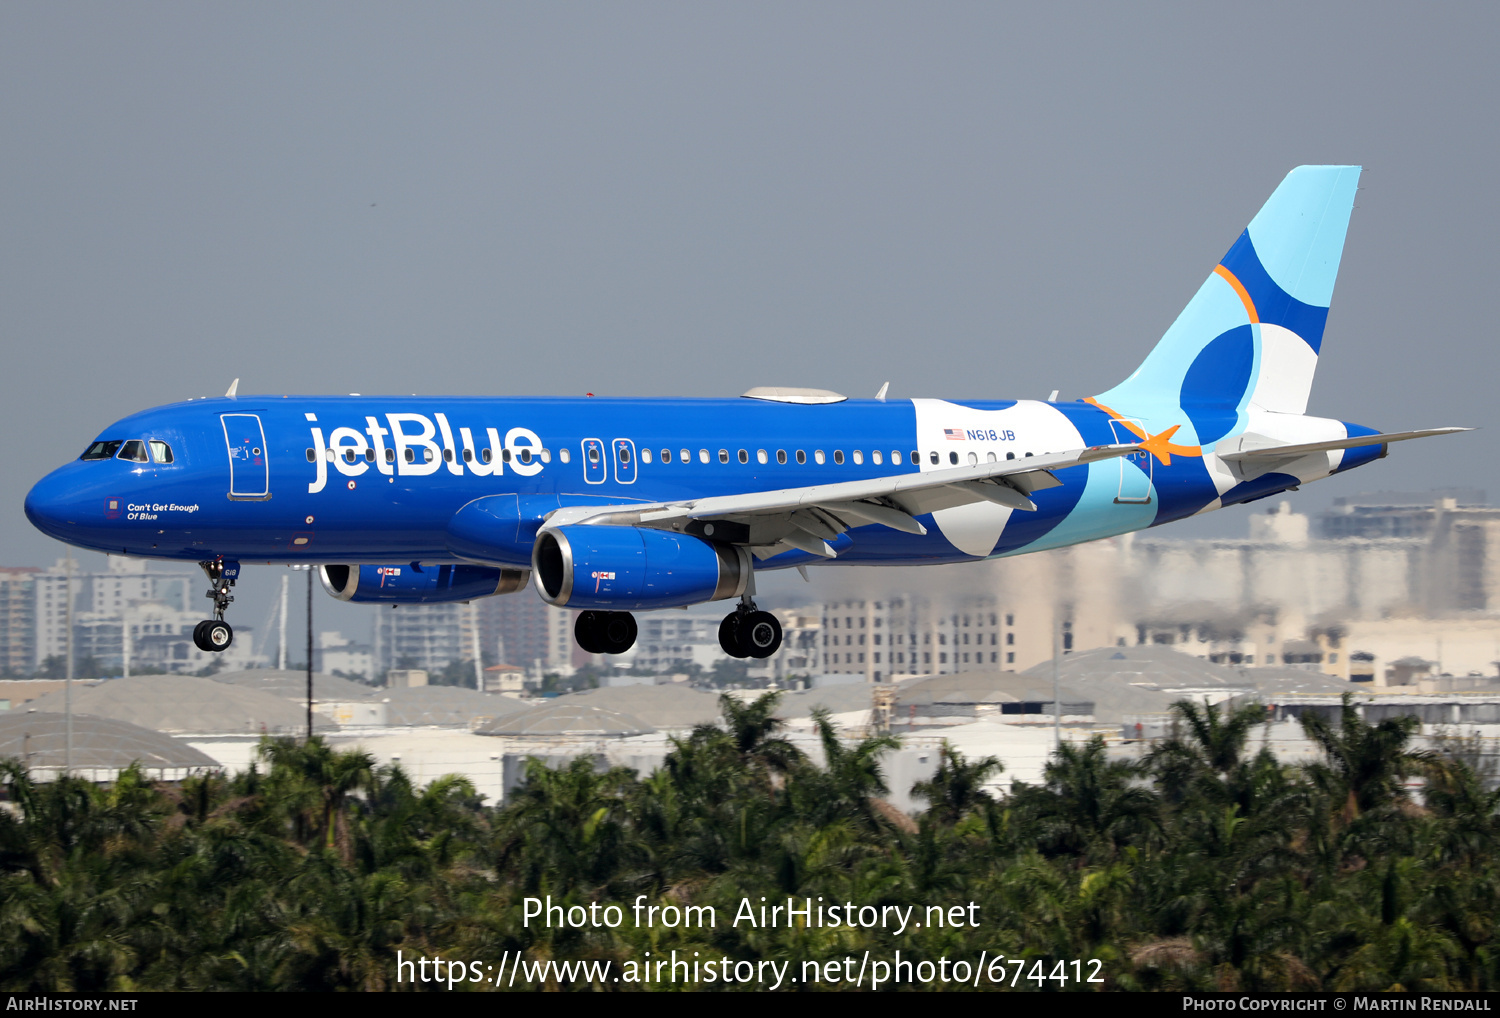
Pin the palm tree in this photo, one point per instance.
(958, 786)
(1367, 762)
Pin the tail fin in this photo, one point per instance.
(1252, 332)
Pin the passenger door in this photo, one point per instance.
(249, 471)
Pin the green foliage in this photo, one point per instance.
(1203, 865)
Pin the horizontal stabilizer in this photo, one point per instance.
(1286, 452)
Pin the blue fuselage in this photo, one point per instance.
(378, 479)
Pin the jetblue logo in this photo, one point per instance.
(415, 445)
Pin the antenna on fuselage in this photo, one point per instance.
(880, 396)
(234, 388)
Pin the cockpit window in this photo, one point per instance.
(134, 450)
(101, 451)
(161, 452)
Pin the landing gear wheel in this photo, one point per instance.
(729, 635)
(588, 632)
(759, 634)
(213, 636)
(618, 632)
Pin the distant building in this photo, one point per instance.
(336, 654)
(425, 636)
(18, 620)
(128, 611)
(523, 630)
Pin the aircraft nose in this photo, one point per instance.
(52, 505)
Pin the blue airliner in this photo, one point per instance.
(615, 505)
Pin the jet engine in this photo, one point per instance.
(621, 568)
(414, 583)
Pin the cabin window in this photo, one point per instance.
(101, 451)
(801, 457)
(134, 450)
(933, 457)
(623, 450)
(312, 455)
(781, 456)
(593, 454)
(859, 456)
(411, 455)
(161, 452)
(876, 458)
(468, 455)
(685, 456)
(666, 455)
(916, 458)
(448, 455)
(761, 457)
(349, 455)
(953, 458)
(744, 455)
(1010, 455)
(838, 456)
(370, 455)
(818, 457)
(723, 455)
(702, 455)
(562, 454)
(390, 455)
(526, 455)
(645, 455)
(545, 455)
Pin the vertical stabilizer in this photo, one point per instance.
(1252, 332)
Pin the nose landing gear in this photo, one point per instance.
(215, 635)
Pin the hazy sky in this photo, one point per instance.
(970, 200)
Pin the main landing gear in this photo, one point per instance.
(605, 632)
(749, 632)
(215, 635)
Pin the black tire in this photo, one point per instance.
(200, 640)
(729, 635)
(617, 632)
(588, 632)
(217, 636)
(759, 635)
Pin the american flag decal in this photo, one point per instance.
(953, 434)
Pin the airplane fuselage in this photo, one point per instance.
(378, 479)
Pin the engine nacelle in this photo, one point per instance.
(408, 584)
(634, 567)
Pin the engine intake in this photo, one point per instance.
(419, 584)
(634, 567)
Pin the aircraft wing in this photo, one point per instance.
(1268, 453)
(807, 518)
